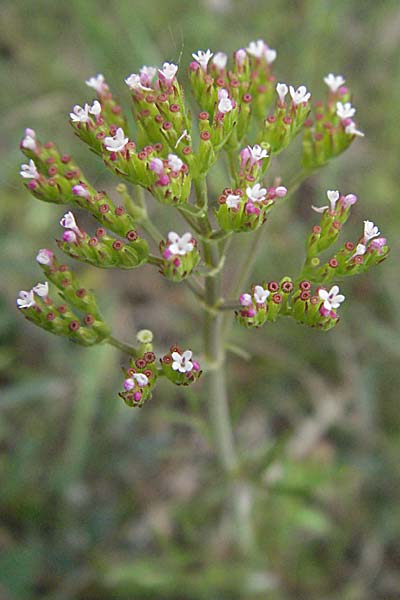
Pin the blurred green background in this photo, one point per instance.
(99, 501)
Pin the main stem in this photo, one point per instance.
(214, 350)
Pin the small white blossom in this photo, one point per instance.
(117, 142)
(300, 95)
(182, 362)
(174, 163)
(141, 379)
(256, 193)
(25, 299)
(257, 153)
(168, 71)
(334, 82)
(29, 171)
(282, 89)
(333, 197)
(233, 200)
(370, 230)
(351, 129)
(345, 111)
(148, 73)
(225, 104)
(220, 59)
(45, 257)
(360, 250)
(41, 289)
(79, 114)
(95, 109)
(134, 83)
(180, 245)
(203, 58)
(332, 299)
(68, 222)
(257, 48)
(97, 83)
(29, 142)
(260, 294)
(270, 55)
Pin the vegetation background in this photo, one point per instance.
(99, 501)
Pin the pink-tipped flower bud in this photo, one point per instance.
(164, 179)
(81, 190)
(176, 262)
(281, 191)
(137, 396)
(157, 165)
(196, 366)
(251, 312)
(69, 236)
(245, 156)
(378, 243)
(167, 254)
(246, 300)
(240, 57)
(129, 384)
(349, 200)
(194, 66)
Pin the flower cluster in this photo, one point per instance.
(244, 112)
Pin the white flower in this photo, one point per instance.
(351, 129)
(256, 193)
(45, 257)
(68, 222)
(148, 73)
(134, 83)
(182, 362)
(334, 82)
(180, 245)
(345, 111)
(174, 163)
(116, 143)
(203, 58)
(168, 71)
(360, 250)
(141, 379)
(97, 83)
(257, 153)
(79, 114)
(29, 142)
(232, 201)
(225, 104)
(25, 299)
(95, 109)
(332, 299)
(282, 89)
(220, 59)
(260, 295)
(41, 289)
(257, 48)
(333, 197)
(370, 230)
(29, 171)
(270, 55)
(300, 95)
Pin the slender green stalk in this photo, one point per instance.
(123, 347)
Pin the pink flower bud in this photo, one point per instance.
(194, 66)
(137, 396)
(69, 236)
(245, 155)
(245, 300)
(45, 257)
(81, 190)
(240, 56)
(196, 366)
(167, 253)
(281, 191)
(251, 209)
(164, 179)
(378, 243)
(176, 262)
(349, 200)
(251, 312)
(129, 384)
(157, 166)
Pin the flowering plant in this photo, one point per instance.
(245, 113)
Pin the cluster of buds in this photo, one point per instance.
(288, 118)
(316, 309)
(240, 210)
(102, 250)
(140, 379)
(264, 302)
(233, 100)
(332, 128)
(86, 328)
(49, 175)
(179, 367)
(180, 256)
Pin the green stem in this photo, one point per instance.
(123, 347)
